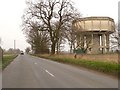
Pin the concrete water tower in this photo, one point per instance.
(93, 33)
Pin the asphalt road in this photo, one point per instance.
(0, 80)
(32, 72)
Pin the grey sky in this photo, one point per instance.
(12, 10)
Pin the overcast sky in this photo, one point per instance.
(11, 12)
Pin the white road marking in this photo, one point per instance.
(46, 71)
(49, 73)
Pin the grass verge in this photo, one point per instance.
(7, 59)
(106, 67)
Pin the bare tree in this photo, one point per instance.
(69, 32)
(27, 50)
(71, 37)
(115, 38)
(50, 12)
(38, 39)
(118, 36)
(0, 51)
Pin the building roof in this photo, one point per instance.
(94, 18)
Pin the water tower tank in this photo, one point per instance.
(93, 33)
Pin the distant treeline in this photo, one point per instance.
(11, 51)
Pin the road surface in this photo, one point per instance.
(0, 79)
(32, 72)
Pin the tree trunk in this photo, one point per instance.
(53, 48)
(58, 47)
(70, 48)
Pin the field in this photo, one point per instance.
(7, 59)
(112, 68)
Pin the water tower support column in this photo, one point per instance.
(103, 43)
(96, 44)
(107, 42)
(82, 41)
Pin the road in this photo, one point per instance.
(32, 72)
(0, 79)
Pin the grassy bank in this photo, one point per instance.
(106, 67)
(7, 59)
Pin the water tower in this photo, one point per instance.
(93, 33)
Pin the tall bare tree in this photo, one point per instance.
(27, 50)
(38, 39)
(115, 38)
(69, 32)
(52, 15)
(118, 36)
